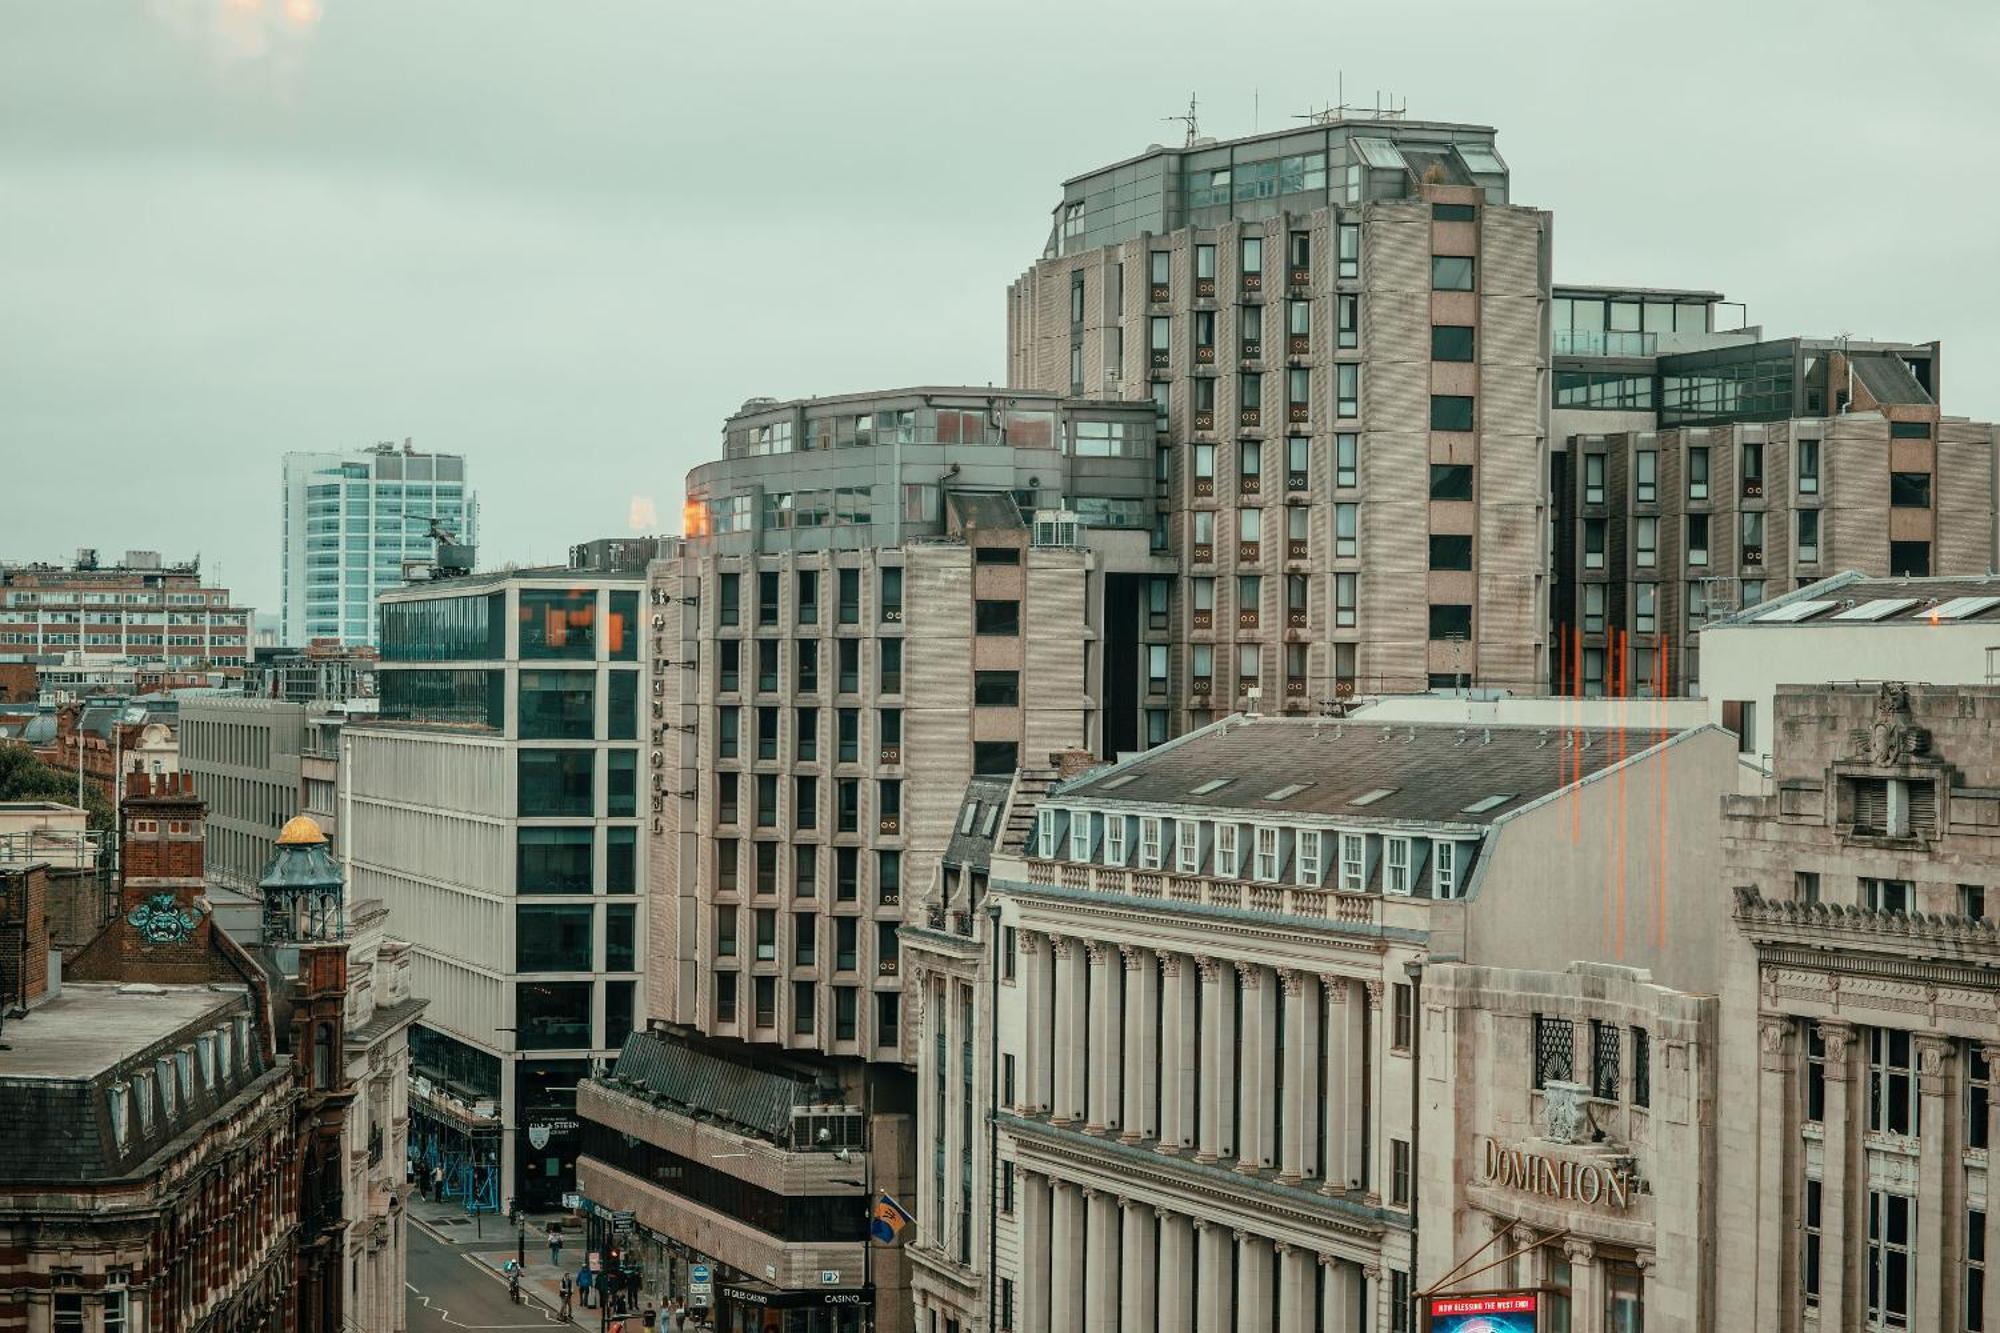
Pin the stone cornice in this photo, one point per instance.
(1970, 941)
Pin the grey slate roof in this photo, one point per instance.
(986, 797)
(756, 1099)
(1430, 772)
(1887, 377)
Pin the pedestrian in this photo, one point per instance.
(583, 1284)
(555, 1245)
(564, 1290)
(437, 1182)
(513, 1283)
(650, 1320)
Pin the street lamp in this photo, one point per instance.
(867, 1186)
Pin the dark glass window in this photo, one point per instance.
(767, 597)
(618, 998)
(1909, 560)
(807, 610)
(621, 630)
(621, 706)
(996, 555)
(888, 880)
(767, 665)
(767, 732)
(621, 783)
(805, 737)
(996, 688)
(553, 860)
(558, 622)
(1451, 411)
(621, 859)
(889, 726)
(1450, 551)
(995, 756)
(729, 600)
(728, 863)
(729, 666)
(728, 796)
(1453, 212)
(445, 629)
(552, 1015)
(620, 937)
(1451, 481)
(457, 698)
(850, 596)
(767, 800)
(1451, 621)
(991, 616)
(848, 742)
(892, 666)
(1451, 273)
(846, 872)
(558, 705)
(806, 673)
(1451, 342)
(849, 654)
(847, 805)
(1910, 490)
(728, 732)
(892, 592)
(1909, 430)
(552, 939)
(555, 782)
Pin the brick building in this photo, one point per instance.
(139, 608)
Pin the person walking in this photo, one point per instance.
(555, 1245)
(650, 1319)
(564, 1291)
(437, 1183)
(583, 1284)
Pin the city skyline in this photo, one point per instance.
(617, 351)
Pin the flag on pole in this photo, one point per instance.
(887, 1220)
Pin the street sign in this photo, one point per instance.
(623, 1223)
(572, 1201)
(701, 1286)
(829, 1277)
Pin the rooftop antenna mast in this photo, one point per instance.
(1188, 119)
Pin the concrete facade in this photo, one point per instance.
(243, 754)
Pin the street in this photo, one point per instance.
(450, 1288)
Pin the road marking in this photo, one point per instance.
(548, 1316)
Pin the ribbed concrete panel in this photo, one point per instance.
(1963, 494)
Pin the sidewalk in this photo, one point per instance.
(489, 1239)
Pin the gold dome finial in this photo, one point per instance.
(300, 831)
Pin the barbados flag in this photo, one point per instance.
(887, 1220)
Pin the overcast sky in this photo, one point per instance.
(567, 238)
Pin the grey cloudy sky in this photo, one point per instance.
(567, 238)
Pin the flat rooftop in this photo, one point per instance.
(1851, 600)
(1362, 772)
(90, 1028)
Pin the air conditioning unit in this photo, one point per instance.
(1057, 527)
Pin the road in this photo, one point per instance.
(450, 1289)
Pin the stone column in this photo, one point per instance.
(1180, 1054)
(1298, 1273)
(1378, 1141)
(1067, 1106)
(1341, 1304)
(1255, 1145)
(1934, 1260)
(1253, 1283)
(1104, 1061)
(1035, 1270)
(1374, 1298)
(1586, 1290)
(1213, 1244)
(1218, 1059)
(1343, 1083)
(1298, 1153)
(1177, 1268)
(1039, 978)
(1834, 1204)
(1137, 1295)
(1100, 1280)
(1142, 1029)
(1777, 1163)
(1066, 1235)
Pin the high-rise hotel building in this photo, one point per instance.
(351, 521)
(1343, 331)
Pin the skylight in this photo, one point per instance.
(1379, 153)
(1115, 783)
(1479, 160)
(1370, 797)
(1485, 803)
(969, 818)
(1286, 792)
(1792, 611)
(992, 819)
(1876, 609)
(1958, 608)
(1213, 784)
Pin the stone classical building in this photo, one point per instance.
(1859, 1035)
(1342, 328)
(1210, 1010)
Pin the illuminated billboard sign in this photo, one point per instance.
(1486, 1312)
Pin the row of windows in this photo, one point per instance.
(845, 1023)
(766, 874)
(1353, 861)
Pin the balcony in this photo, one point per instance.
(1604, 342)
(1324, 904)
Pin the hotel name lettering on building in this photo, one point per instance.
(1551, 1178)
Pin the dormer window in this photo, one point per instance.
(1079, 835)
(1397, 875)
(1114, 840)
(1308, 860)
(1444, 872)
(1267, 853)
(1149, 843)
(1353, 862)
(1187, 847)
(1227, 860)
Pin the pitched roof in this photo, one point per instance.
(1356, 772)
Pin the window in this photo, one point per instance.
(1972, 901)
(1645, 608)
(1910, 490)
(1624, 1299)
(1697, 605)
(1307, 842)
(1807, 454)
(767, 800)
(1697, 464)
(891, 666)
(764, 991)
(725, 932)
(767, 665)
(1593, 543)
(1353, 862)
(1444, 869)
(1646, 542)
(1697, 539)
(1451, 342)
(1451, 273)
(997, 616)
(1249, 466)
(1450, 621)
(1347, 390)
(1593, 608)
(1805, 886)
(1403, 1016)
(1346, 527)
(1347, 321)
(996, 689)
(1975, 1269)
(1204, 270)
(556, 782)
(805, 938)
(1396, 860)
(1451, 481)
(1593, 479)
(1252, 265)
(1885, 895)
(1889, 1246)
(846, 870)
(767, 934)
(1892, 1082)
(805, 734)
(1344, 597)
(1642, 1067)
(1909, 430)
(1604, 1049)
(891, 577)
(1399, 1170)
(848, 584)
(1249, 333)
(1555, 1044)
(1265, 865)
(995, 757)
(1346, 460)
(1978, 1096)
(1750, 529)
(1160, 265)
(553, 860)
(1348, 238)
(558, 623)
(1909, 560)
(725, 997)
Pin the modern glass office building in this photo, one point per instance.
(351, 519)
